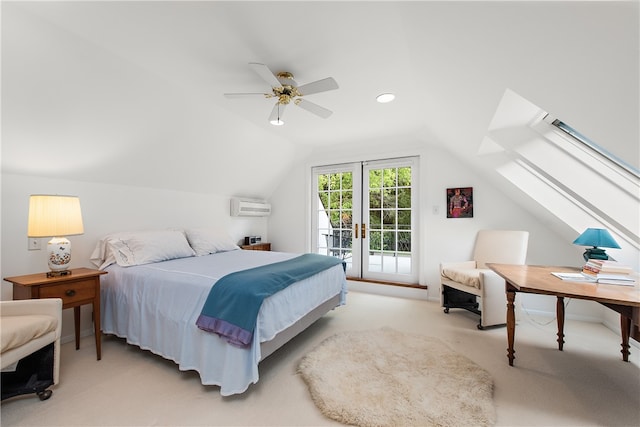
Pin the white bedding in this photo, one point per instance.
(155, 306)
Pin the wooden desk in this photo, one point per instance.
(80, 287)
(539, 280)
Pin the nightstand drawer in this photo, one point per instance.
(70, 292)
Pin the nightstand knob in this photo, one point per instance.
(70, 293)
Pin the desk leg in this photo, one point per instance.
(511, 322)
(76, 320)
(560, 317)
(625, 327)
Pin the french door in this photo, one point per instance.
(365, 213)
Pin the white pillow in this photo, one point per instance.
(209, 241)
(143, 247)
(102, 256)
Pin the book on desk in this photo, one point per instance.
(601, 272)
(609, 272)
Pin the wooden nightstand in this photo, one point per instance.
(257, 247)
(80, 287)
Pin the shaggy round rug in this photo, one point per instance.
(387, 378)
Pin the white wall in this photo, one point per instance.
(105, 209)
(441, 238)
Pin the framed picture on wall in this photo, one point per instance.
(460, 202)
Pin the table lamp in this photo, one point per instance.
(597, 238)
(55, 216)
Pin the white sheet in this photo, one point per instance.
(155, 306)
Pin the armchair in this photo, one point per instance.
(30, 333)
(474, 287)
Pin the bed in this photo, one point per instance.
(158, 283)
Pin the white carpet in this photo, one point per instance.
(387, 378)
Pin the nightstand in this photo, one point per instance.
(257, 247)
(80, 287)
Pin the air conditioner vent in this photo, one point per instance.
(246, 207)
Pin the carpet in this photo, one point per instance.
(388, 378)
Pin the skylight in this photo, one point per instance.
(592, 145)
(567, 174)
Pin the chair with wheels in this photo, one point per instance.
(472, 286)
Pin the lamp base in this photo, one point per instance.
(595, 253)
(59, 252)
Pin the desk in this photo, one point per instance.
(539, 280)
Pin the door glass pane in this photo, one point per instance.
(389, 219)
(375, 262)
(375, 178)
(389, 241)
(404, 219)
(375, 219)
(389, 178)
(404, 241)
(404, 198)
(335, 213)
(375, 198)
(404, 177)
(389, 196)
(375, 240)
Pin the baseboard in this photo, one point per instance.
(72, 338)
(387, 290)
(567, 316)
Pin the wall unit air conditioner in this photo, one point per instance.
(244, 207)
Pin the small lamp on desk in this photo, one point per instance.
(597, 238)
(55, 216)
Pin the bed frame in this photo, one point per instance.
(283, 337)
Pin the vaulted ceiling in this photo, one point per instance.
(132, 92)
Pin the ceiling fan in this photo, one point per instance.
(286, 90)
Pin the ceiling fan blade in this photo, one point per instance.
(313, 108)
(246, 95)
(277, 112)
(318, 86)
(266, 74)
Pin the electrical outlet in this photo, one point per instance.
(34, 244)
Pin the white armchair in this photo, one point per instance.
(30, 333)
(474, 287)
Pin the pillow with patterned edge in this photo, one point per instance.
(142, 247)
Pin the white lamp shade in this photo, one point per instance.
(54, 216)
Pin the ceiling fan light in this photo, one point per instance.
(385, 97)
(277, 122)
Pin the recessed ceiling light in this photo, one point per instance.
(385, 97)
(277, 122)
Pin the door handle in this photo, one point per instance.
(356, 230)
(364, 231)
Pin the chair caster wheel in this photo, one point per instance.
(45, 394)
(446, 310)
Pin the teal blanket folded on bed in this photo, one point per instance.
(233, 303)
